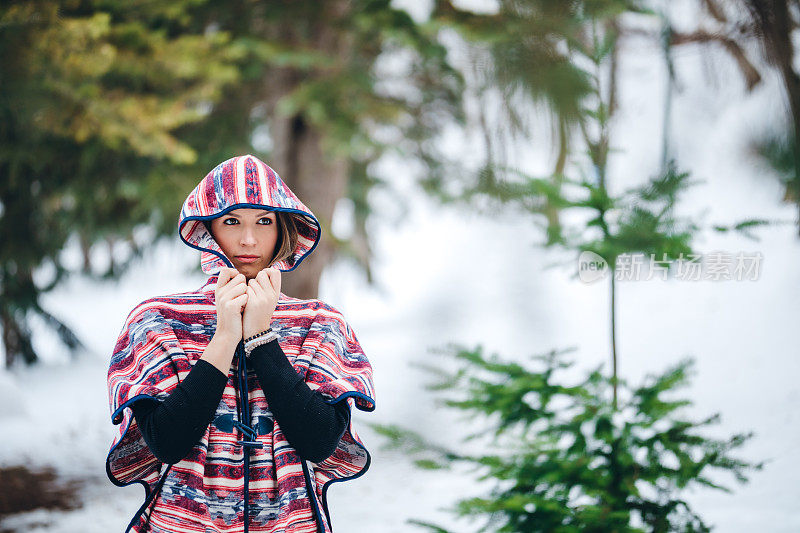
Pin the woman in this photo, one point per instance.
(233, 401)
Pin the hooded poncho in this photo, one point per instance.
(243, 458)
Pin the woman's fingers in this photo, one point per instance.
(263, 277)
(270, 278)
(256, 287)
(239, 302)
(262, 280)
(223, 281)
(233, 292)
(275, 280)
(225, 276)
(266, 283)
(232, 286)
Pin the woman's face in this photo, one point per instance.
(247, 237)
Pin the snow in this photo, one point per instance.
(447, 275)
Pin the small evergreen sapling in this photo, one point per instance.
(563, 459)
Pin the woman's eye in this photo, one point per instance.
(230, 220)
(266, 221)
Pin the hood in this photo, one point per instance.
(243, 181)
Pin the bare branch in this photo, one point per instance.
(715, 11)
(751, 75)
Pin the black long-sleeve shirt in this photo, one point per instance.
(311, 425)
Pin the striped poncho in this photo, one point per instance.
(243, 475)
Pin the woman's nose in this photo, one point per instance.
(248, 237)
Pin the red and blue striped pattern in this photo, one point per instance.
(161, 340)
(243, 181)
(164, 336)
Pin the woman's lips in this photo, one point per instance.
(247, 258)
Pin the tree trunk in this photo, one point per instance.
(776, 24)
(783, 51)
(16, 338)
(319, 183)
(318, 179)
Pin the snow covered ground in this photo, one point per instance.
(446, 275)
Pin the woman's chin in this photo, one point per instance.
(250, 270)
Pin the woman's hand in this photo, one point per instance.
(262, 298)
(230, 299)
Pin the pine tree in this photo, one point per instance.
(564, 456)
(92, 95)
(113, 111)
(595, 455)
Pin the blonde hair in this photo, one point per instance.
(287, 238)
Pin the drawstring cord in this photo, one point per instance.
(248, 442)
(247, 431)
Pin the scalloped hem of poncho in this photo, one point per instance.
(361, 472)
(111, 476)
(114, 415)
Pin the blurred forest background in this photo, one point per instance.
(483, 140)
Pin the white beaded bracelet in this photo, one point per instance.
(258, 341)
